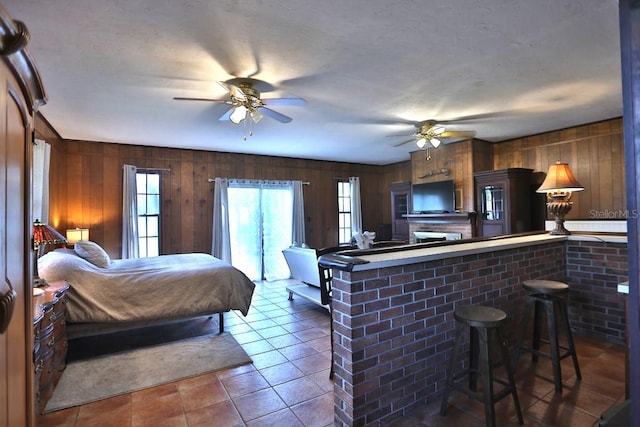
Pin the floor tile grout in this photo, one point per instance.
(277, 333)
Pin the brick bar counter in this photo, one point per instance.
(393, 309)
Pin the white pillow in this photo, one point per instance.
(92, 252)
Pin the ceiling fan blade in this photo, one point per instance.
(405, 142)
(275, 115)
(457, 134)
(221, 101)
(396, 135)
(292, 101)
(227, 115)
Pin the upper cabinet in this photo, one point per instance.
(504, 201)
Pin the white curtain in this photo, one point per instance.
(257, 220)
(41, 160)
(356, 208)
(221, 244)
(129, 213)
(299, 238)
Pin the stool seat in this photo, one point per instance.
(480, 316)
(545, 286)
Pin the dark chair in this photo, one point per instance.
(483, 322)
(548, 297)
(325, 299)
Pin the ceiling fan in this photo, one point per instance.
(246, 103)
(431, 133)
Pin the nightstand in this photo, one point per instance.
(50, 340)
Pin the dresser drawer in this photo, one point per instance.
(50, 342)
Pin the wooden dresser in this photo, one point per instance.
(50, 340)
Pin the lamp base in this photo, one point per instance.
(559, 205)
(559, 230)
(39, 282)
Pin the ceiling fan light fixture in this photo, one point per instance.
(238, 115)
(421, 142)
(437, 130)
(255, 116)
(435, 142)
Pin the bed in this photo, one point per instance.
(108, 295)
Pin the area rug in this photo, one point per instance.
(106, 376)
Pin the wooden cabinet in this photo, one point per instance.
(21, 92)
(50, 341)
(504, 199)
(400, 207)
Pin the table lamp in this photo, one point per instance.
(43, 235)
(559, 185)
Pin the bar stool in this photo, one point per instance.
(548, 297)
(484, 322)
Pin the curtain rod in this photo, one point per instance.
(213, 179)
(155, 169)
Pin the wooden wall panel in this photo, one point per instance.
(595, 154)
(86, 181)
(457, 158)
(91, 196)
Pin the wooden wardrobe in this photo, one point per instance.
(21, 92)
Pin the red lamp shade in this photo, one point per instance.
(44, 234)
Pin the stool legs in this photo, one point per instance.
(504, 348)
(564, 313)
(457, 345)
(548, 306)
(480, 362)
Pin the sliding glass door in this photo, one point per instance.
(260, 227)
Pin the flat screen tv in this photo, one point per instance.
(434, 197)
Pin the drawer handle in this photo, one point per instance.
(51, 342)
(39, 366)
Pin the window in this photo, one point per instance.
(148, 189)
(344, 212)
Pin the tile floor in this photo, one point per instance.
(288, 385)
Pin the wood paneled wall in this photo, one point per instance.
(86, 190)
(461, 160)
(595, 154)
(86, 180)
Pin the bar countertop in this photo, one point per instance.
(362, 260)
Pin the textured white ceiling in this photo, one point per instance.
(367, 68)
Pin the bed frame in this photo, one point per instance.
(80, 330)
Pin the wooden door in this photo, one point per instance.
(492, 209)
(400, 207)
(16, 343)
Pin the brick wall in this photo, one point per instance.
(394, 327)
(594, 270)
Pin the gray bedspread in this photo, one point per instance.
(163, 287)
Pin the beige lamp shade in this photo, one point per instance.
(559, 180)
(75, 234)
